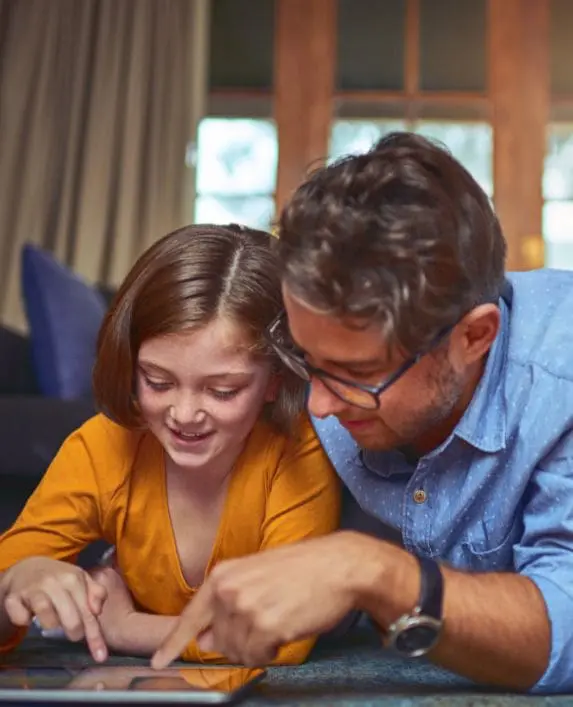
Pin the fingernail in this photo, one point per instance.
(100, 655)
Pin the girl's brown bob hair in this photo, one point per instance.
(185, 280)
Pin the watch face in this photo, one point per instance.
(415, 640)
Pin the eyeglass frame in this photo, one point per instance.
(375, 391)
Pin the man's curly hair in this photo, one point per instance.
(401, 235)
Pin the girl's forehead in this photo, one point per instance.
(217, 346)
(220, 333)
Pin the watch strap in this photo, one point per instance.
(431, 588)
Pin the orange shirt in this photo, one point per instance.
(109, 483)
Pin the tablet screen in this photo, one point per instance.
(127, 679)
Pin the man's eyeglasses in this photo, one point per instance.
(358, 394)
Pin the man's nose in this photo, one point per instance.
(322, 402)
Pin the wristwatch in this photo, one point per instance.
(414, 634)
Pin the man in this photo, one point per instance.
(443, 393)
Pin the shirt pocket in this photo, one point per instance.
(489, 551)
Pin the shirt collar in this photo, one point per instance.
(484, 423)
(386, 464)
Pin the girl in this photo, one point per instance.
(203, 453)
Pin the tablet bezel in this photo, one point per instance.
(94, 696)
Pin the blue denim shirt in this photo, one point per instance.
(498, 493)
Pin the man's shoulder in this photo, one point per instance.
(540, 332)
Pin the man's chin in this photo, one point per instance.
(372, 437)
(374, 444)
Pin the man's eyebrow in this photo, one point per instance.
(356, 364)
(367, 364)
(351, 365)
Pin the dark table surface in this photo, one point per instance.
(352, 671)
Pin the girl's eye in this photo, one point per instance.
(226, 394)
(157, 386)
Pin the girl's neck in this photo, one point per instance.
(207, 480)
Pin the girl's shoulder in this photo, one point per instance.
(110, 448)
(107, 437)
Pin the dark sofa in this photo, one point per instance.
(32, 426)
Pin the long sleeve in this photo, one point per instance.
(63, 514)
(61, 517)
(545, 555)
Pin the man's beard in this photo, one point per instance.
(446, 388)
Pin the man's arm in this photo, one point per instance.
(513, 630)
(496, 628)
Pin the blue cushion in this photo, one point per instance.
(64, 315)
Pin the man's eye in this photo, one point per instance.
(224, 394)
(157, 386)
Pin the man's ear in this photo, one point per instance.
(273, 386)
(476, 332)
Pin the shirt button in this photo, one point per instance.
(419, 496)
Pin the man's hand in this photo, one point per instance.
(248, 608)
(496, 629)
(59, 595)
(117, 608)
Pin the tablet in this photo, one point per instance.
(129, 684)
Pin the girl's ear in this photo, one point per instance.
(273, 387)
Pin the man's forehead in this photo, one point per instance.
(329, 338)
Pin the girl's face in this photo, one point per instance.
(200, 393)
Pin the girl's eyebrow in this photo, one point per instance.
(151, 367)
(228, 374)
(154, 367)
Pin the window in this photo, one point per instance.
(355, 136)
(471, 143)
(558, 196)
(236, 171)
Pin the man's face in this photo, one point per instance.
(411, 411)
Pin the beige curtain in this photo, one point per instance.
(99, 103)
